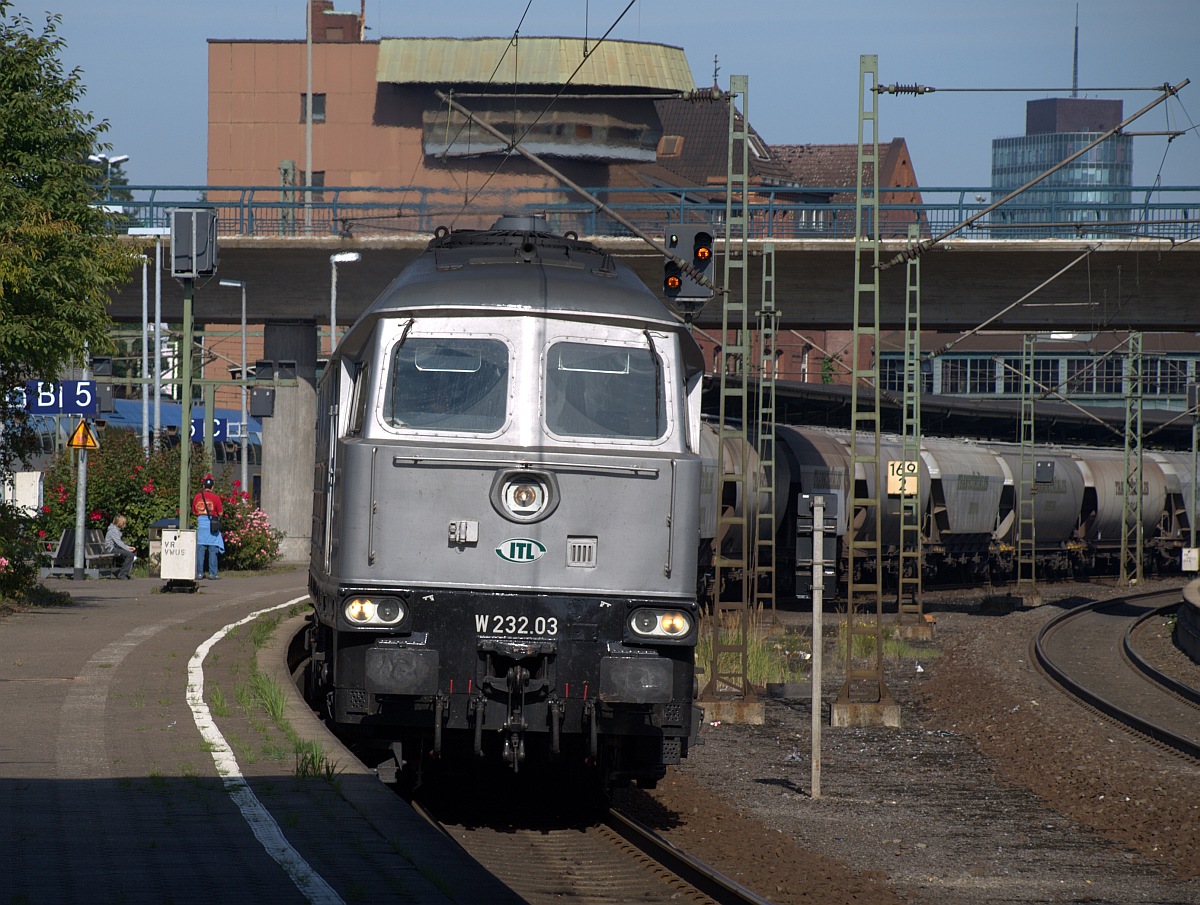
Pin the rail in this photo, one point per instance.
(1107, 696)
(1064, 212)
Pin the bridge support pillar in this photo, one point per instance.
(289, 438)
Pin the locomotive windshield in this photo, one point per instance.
(595, 390)
(448, 384)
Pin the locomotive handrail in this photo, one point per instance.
(399, 461)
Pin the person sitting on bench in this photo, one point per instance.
(115, 543)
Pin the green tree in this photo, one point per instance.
(60, 257)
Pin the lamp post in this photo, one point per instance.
(145, 355)
(108, 163)
(1193, 402)
(342, 257)
(308, 117)
(241, 284)
(158, 232)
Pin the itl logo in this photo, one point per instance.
(520, 549)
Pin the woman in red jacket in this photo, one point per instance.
(206, 506)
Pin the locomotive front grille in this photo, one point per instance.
(581, 552)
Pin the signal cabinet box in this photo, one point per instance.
(193, 242)
(262, 402)
(804, 546)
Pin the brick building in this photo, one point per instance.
(380, 117)
(382, 125)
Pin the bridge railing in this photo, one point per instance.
(774, 213)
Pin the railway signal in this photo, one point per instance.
(691, 244)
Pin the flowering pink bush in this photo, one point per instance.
(19, 551)
(250, 541)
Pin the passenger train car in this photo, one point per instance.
(507, 512)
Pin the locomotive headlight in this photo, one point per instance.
(374, 610)
(660, 624)
(524, 499)
(675, 624)
(388, 610)
(524, 496)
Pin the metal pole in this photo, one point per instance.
(818, 635)
(145, 356)
(308, 122)
(158, 327)
(185, 409)
(341, 257)
(1195, 477)
(1193, 403)
(332, 306)
(80, 510)
(1195, 481)
(81, 492)
(245, 421)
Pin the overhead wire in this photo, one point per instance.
(450, 140)
(919, 248)
(556, 96)
(929, 89)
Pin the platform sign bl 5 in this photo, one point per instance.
(64, 397)
(219, 434)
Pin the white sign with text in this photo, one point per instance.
(179, 554)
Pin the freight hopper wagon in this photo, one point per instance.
(968, 501)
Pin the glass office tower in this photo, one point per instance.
(1089, 196)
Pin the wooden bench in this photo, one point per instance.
(95, 560)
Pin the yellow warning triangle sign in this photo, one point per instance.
(83, 438)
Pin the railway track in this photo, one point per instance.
(551, 853)
(610, 860)
(1090, 651)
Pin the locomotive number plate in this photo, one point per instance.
(511, 626)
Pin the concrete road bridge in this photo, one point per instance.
(1137, 265)
(1139, 284)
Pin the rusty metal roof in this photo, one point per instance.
(533, 61)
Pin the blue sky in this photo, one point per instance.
(145, 65)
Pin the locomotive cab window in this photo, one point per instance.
(445, 384)
(358, 409)
(595, 390)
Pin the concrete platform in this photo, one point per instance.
(113, 787)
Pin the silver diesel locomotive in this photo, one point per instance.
(507, 512)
